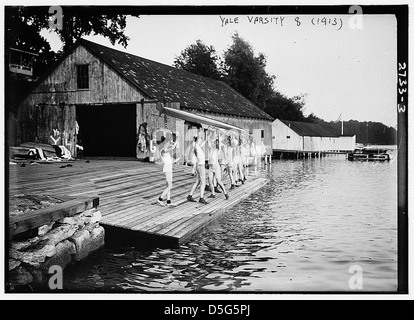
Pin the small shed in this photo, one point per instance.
(106, 101)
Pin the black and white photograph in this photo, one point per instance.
(199, 149)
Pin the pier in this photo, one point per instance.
(127, 191)
(304, 154)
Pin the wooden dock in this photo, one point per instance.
(127, 192)
(303, 154)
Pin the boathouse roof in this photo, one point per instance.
(163, 82)
(311, 129)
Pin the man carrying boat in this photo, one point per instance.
(167, 160)
(214, 171)
(200, 169)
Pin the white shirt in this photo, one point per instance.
(213, 160)
(167, 162)
(229, 155)
(201, 158)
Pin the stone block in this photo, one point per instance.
(37, 275)
(83, 218)
(81, 240)
(61, 232)
(14, 254)
(97, 238)
(13, 264)
(21, 245)
(20, 276)
(69, 245)
(69, 220)
(87, 242)
(89, 212)
(38, 253)
(91, 226)
(63, 256)
(41, 231)
(97, 216)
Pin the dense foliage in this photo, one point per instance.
(199, 59)
(245, 72)
(23, 25)
(369, 132)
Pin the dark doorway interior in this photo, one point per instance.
(108, 130)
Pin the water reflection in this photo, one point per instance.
(301, 232)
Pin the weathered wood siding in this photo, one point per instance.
(249, 124)
(51, 124)
(105, 85)
(147, 112)
(51, 106)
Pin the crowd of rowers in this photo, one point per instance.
(226, 158)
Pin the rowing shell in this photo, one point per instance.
(187, 116)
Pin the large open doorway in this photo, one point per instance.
(108, 130)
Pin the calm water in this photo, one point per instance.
(302, 232)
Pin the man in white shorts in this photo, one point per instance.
(230, 163)
(167, 161)
(215, 170)
(200, 170)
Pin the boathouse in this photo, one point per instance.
(295, 136)
(105, 101)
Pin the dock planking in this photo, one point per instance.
(128, 191)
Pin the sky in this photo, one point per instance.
(347, 73)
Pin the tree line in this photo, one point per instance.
(368, 132)
(239, 66)
(23, 26)
(245, 72)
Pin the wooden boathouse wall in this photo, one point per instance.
(49, 111)
(147, 113)
(105, 84)
(253, 125)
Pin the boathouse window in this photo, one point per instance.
(287, 137)
(82, 75)
(262, 134)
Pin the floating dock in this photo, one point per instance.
(127, 191)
